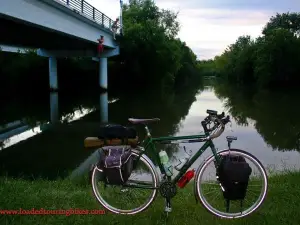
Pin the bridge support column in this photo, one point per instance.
(103, 73)
(104, 107)
(53, 73)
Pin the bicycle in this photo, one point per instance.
(166, 185)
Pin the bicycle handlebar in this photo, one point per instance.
(219, 121)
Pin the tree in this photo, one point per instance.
(289, 21)
(150, 50)
(277, 58)
(270, 60)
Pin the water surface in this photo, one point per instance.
(44, 135)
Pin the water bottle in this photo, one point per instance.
(183, 160)
(164, 159)
(186, 178)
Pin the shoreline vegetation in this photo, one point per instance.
(270, 61)
(280, 206)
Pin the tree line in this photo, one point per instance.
(151, 56)
(269, 61)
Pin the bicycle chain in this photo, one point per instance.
(168, 189)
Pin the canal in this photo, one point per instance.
(43, 135)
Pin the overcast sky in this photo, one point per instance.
(209, 26)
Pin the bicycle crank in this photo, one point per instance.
(168, 189)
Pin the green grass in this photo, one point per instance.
(281, 206)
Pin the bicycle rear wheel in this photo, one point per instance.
(203, 183)
(135, 195)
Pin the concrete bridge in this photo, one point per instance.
(58, 28)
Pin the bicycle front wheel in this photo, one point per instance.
(135, 195)
(214, 201)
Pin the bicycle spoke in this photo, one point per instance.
(214, 200)
(212, 192)
(133, 196)
(215, 184)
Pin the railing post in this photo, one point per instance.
(82, 1)
(68, 2)
(93, 13)
(110, 23)
(102, 19)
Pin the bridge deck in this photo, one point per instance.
(87, 10)
(66, 25)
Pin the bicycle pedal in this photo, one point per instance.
(168, 209)
(124, 190)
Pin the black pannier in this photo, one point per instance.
(116, 131)
(234, 173)
(116, 163)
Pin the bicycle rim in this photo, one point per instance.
(219, 213)
(148, 163)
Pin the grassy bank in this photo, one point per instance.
(281, 206)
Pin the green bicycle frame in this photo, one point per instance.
(149, 145)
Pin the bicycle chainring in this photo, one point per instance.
(168, 189)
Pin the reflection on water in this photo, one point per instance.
(53, 147)
(18, 134)
(54, 112)
(103, 107)
(61, 126)
(248, 138)
(16, 131)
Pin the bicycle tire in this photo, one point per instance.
(201, 170)
(147, 161)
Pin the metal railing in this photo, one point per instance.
(87, 10)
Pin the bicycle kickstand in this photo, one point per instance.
(168, 208)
